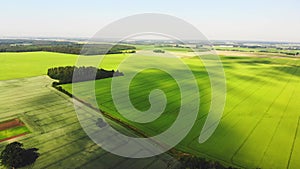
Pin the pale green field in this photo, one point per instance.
(55, 130)
(28, 64)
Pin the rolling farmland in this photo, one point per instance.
(261, 116)
(259, 127)
(150, 84)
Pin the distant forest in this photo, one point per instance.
(63, 47)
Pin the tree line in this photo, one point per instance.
(65, 74)
(70, 48)
(193, 162)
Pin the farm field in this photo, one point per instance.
(28, 64)
(15, 131)
(150, 84)
(261, 116)
(13, 65)
(55, 130)
(11, 129)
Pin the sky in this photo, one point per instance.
(257, 20)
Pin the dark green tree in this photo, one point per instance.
(192, 162)
(15, 156)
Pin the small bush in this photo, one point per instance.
(158, 51)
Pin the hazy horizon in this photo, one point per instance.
(87, 38)
(274, 21)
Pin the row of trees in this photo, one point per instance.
(70, 48)
(65, 74)
(98, 49)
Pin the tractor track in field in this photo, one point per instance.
(242, 100)
(232, 88)
(234, 106)
(173, 151)
(254, 89)
(103, 103)
(237, 106)
(265, 113)
(293, 145)
(277, 126)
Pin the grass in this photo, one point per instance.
(260, 113)
(15, 131)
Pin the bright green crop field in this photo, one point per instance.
(15, 131)
(259, 126)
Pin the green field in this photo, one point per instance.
(259, 127)
(15, 131)
(29, 64)
(261, 116)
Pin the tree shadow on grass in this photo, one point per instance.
(255, 62)
(290, 70)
